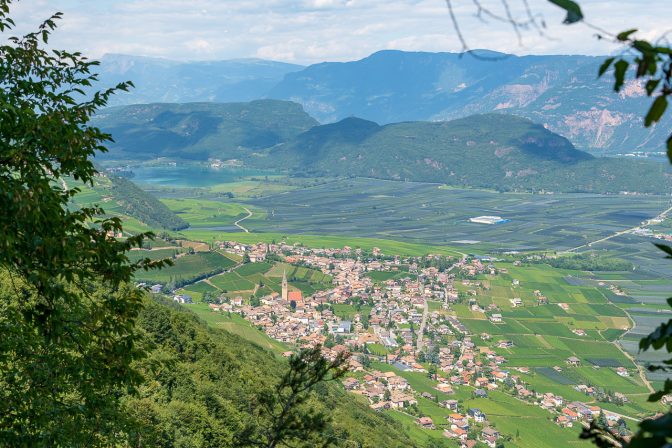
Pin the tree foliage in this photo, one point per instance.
(68, 334)
(207, 388)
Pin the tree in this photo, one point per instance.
(67, 313)
(291, 419)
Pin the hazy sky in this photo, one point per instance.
(308, 31)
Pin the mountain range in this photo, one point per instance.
(498, 151)
(164, 81)
(562, 93)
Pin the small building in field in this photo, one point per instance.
(573, 361)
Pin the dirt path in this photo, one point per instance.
(640, 369)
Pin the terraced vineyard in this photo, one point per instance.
(260, 279)
(188, 268)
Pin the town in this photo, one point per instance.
(401, 319)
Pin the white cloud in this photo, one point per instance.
(308, 31)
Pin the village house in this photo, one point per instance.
(476, 415)
(426, 422)
(495, 318)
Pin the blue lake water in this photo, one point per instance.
(189, 175)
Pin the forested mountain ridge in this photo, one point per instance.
(200, 130)
(496, 151)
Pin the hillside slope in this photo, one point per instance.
(208, 397)
(492, 151)
(120, 196)
(561, 92)
(200, 130)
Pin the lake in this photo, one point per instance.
(189, 176)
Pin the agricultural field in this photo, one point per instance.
(348, 312)
(259, 279)
(202, 213)
(528, 426)
(187, 268)
(419, 212)
(579, 320)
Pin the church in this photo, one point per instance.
(287, 295)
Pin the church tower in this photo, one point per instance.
(285, 293)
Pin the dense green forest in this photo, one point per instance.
(494, 151)
(501, 152)
(198, 131)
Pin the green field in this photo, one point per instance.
(508, 414)
(206, 213)
(235, 324)
(348, 311)
(187, 268)
(231, 281)
(156, 254)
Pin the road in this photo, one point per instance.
(662, 215)
(237, 223)
(640, 369)
(425, 312)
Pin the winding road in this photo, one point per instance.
(237, 223)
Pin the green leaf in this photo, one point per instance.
(642, 46)
(656, 111)
(651, 85)
(574, 13)
(605, 66)
(665, 248)
(620, 68)
(625, 35)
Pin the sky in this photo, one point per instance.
(311, 31)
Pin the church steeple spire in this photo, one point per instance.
(285, 293)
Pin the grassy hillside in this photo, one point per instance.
(208, 397)
(119, 196)
(496, 151)
(200, 130)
